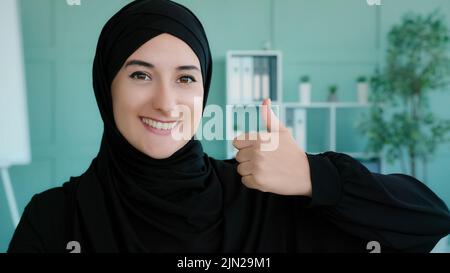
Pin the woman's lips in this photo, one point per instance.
(151, 125)
(163, 121)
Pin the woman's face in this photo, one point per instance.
(153, 96)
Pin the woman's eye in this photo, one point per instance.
(140, 76)
(187, 79)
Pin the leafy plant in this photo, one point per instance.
(361, 79)
(401, 123)
(332, 89)
(304, 79)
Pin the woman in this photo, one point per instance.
(147, 191)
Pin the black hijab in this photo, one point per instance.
(154, 205)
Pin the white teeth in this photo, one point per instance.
(159, 125)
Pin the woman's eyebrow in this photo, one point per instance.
(149, 65)
(188, 67)
(139, 63)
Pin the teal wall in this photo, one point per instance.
(332, 41)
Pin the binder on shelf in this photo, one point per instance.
(235, 79)
(239, 120)
(265, 78)
(247, 78)
(257, 79)
(288, 121)
(252, 117)
(273, 78)
(299, 127)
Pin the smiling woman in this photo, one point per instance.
(147, 95)
(146, 191)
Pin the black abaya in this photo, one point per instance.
(350, 207)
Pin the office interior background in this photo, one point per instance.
(333, 42)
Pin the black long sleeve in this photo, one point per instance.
(26, 237)
(42, 227)
(397, 210)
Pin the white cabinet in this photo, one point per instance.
(297, 116)
(251, 76)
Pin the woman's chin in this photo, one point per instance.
(159, 154)
(161, 150)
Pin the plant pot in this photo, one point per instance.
(363, 92)
(332, 97)
(304, 92)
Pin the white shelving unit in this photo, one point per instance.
(251, 76)
(238, 97)
(371, 161)
(332, 109)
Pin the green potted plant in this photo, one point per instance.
(400, 124)
(332, 93)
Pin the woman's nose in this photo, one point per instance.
(164, 99)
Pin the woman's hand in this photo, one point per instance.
(282, 168)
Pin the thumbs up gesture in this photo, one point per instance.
(282, 170)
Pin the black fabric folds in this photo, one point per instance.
(156, 205)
